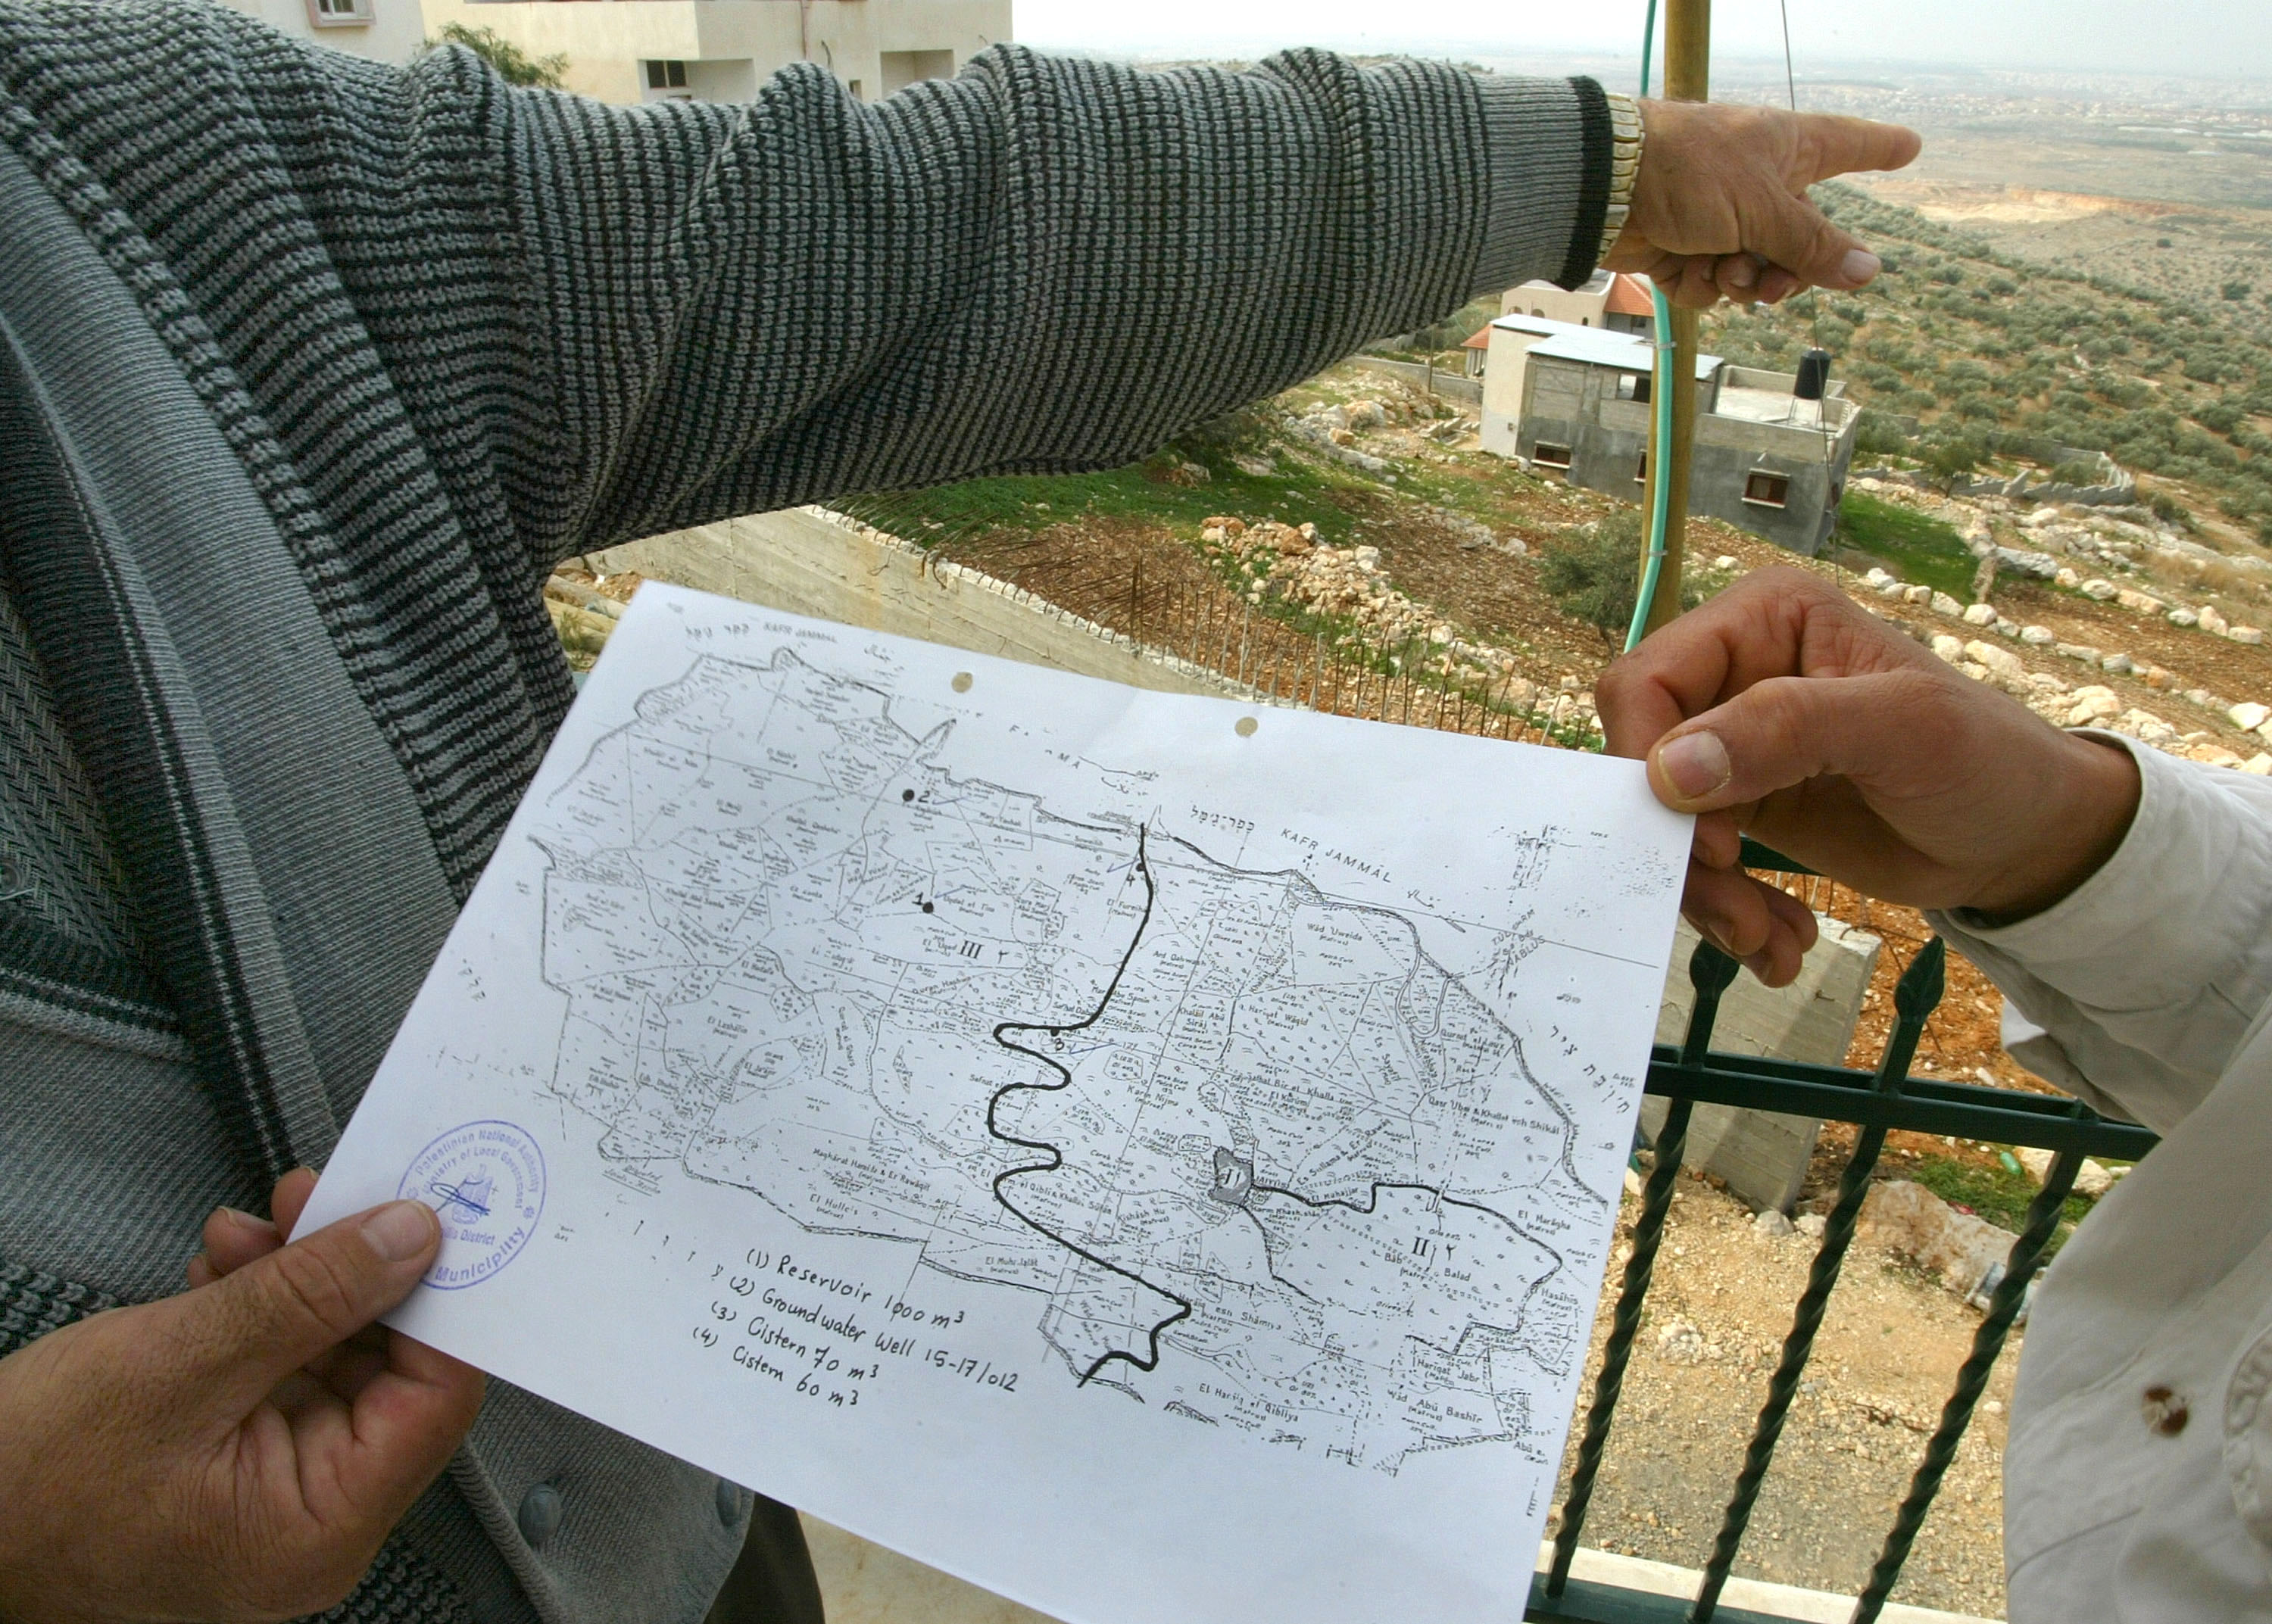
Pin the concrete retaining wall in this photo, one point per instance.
(1450, 384)
(1763, 1154)
(809, 561)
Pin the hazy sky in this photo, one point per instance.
(2220, 39)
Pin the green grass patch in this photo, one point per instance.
(2000, 1196)
(1926, 551)
(1298, 492)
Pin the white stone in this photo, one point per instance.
(2260, 763)
(1810, 1225)
(2039, 518)
(2067, 578)
(2038, 635)
(2249, 716)
(1923, 594)
(2249, 634)
(1908, 1218)
(2092, 1179)
(2082, 652)
(2102, 589)
(1943, 604)
(2145, 603)
(1980, 615)
(2003, 662)
(1950, 648)
(2118, 664)
(1726, 561)
(2094, 705)
(2212, 622)
(2183, 617)
(1877, 576)
(1772, 1225)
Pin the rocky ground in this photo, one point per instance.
(2099, 617)
(1888, 1352)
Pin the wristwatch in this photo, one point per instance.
(1626, 136)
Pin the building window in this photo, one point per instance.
(1633, 386)
(340, 13)
(1548, 456)
(854, 86)
(666, 76)
(1641, 470)
(1768, 490)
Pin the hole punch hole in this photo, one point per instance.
(961, 684)
(1246, 726)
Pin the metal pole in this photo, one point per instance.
(1687, 78)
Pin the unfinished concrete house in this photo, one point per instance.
(1772, 448)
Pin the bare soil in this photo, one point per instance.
(1719, 1306)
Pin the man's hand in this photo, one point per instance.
(239, 1451)
(1720, 204)
(1780, 708)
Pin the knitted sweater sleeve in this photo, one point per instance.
(1041, 265)
(601, 322)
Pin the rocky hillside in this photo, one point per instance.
(1973, 354)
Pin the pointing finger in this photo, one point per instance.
(1833, 144)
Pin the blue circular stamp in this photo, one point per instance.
(486, 1180)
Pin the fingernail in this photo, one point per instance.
(1695, 765)
(398, 1231)
(1859, 265)
(242, 1220)
(1743, 273)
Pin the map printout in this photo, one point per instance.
(1151, 1156)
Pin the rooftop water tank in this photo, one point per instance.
(1813, 376)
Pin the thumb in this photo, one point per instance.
(1778, 733)
(1795, 234)
(243, 1334)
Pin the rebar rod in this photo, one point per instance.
(1919, 991)
(1710, 972)
(1971, 1381)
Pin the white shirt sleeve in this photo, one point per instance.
(2136, 990)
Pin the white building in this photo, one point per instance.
(1617, 301)
(1573, 398)
(722, 50)
(387, 30)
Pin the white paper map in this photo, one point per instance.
(1149, 1155)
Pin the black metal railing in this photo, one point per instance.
(1875, 1102)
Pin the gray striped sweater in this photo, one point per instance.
(451, 332)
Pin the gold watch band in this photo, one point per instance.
(1626, 134)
